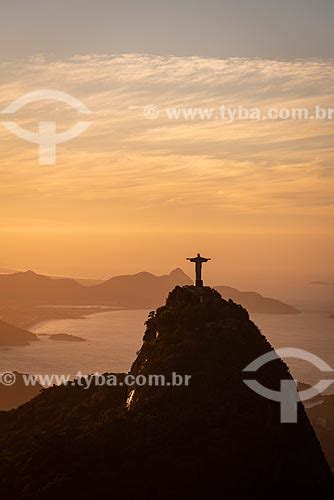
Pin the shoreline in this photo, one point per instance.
(33, 317)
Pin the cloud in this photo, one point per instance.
(135, 166)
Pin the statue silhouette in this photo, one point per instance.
(198, 267)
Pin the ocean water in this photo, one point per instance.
(113, 338)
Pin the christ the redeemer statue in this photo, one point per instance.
(198, 266)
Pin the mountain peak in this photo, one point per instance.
(144, 274)
(213, 435)
(200, 334)
(178, 273)
(27, 276)
(29, 273)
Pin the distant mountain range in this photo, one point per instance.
(31, 288)
(138, 291)
(82, 281)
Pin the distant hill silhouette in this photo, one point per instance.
(11, 335)
(256, 303)
(138, 291)
(82, 281)
(31, 288)
(215, 438)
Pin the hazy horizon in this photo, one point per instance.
(311, 295)
(137, 193)
(133, 193)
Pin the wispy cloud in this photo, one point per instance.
(131, 164)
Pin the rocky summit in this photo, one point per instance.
(211, 438)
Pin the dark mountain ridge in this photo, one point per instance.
(212, 438)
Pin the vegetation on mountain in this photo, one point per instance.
(212, 438)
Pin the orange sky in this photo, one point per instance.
(133, 194)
